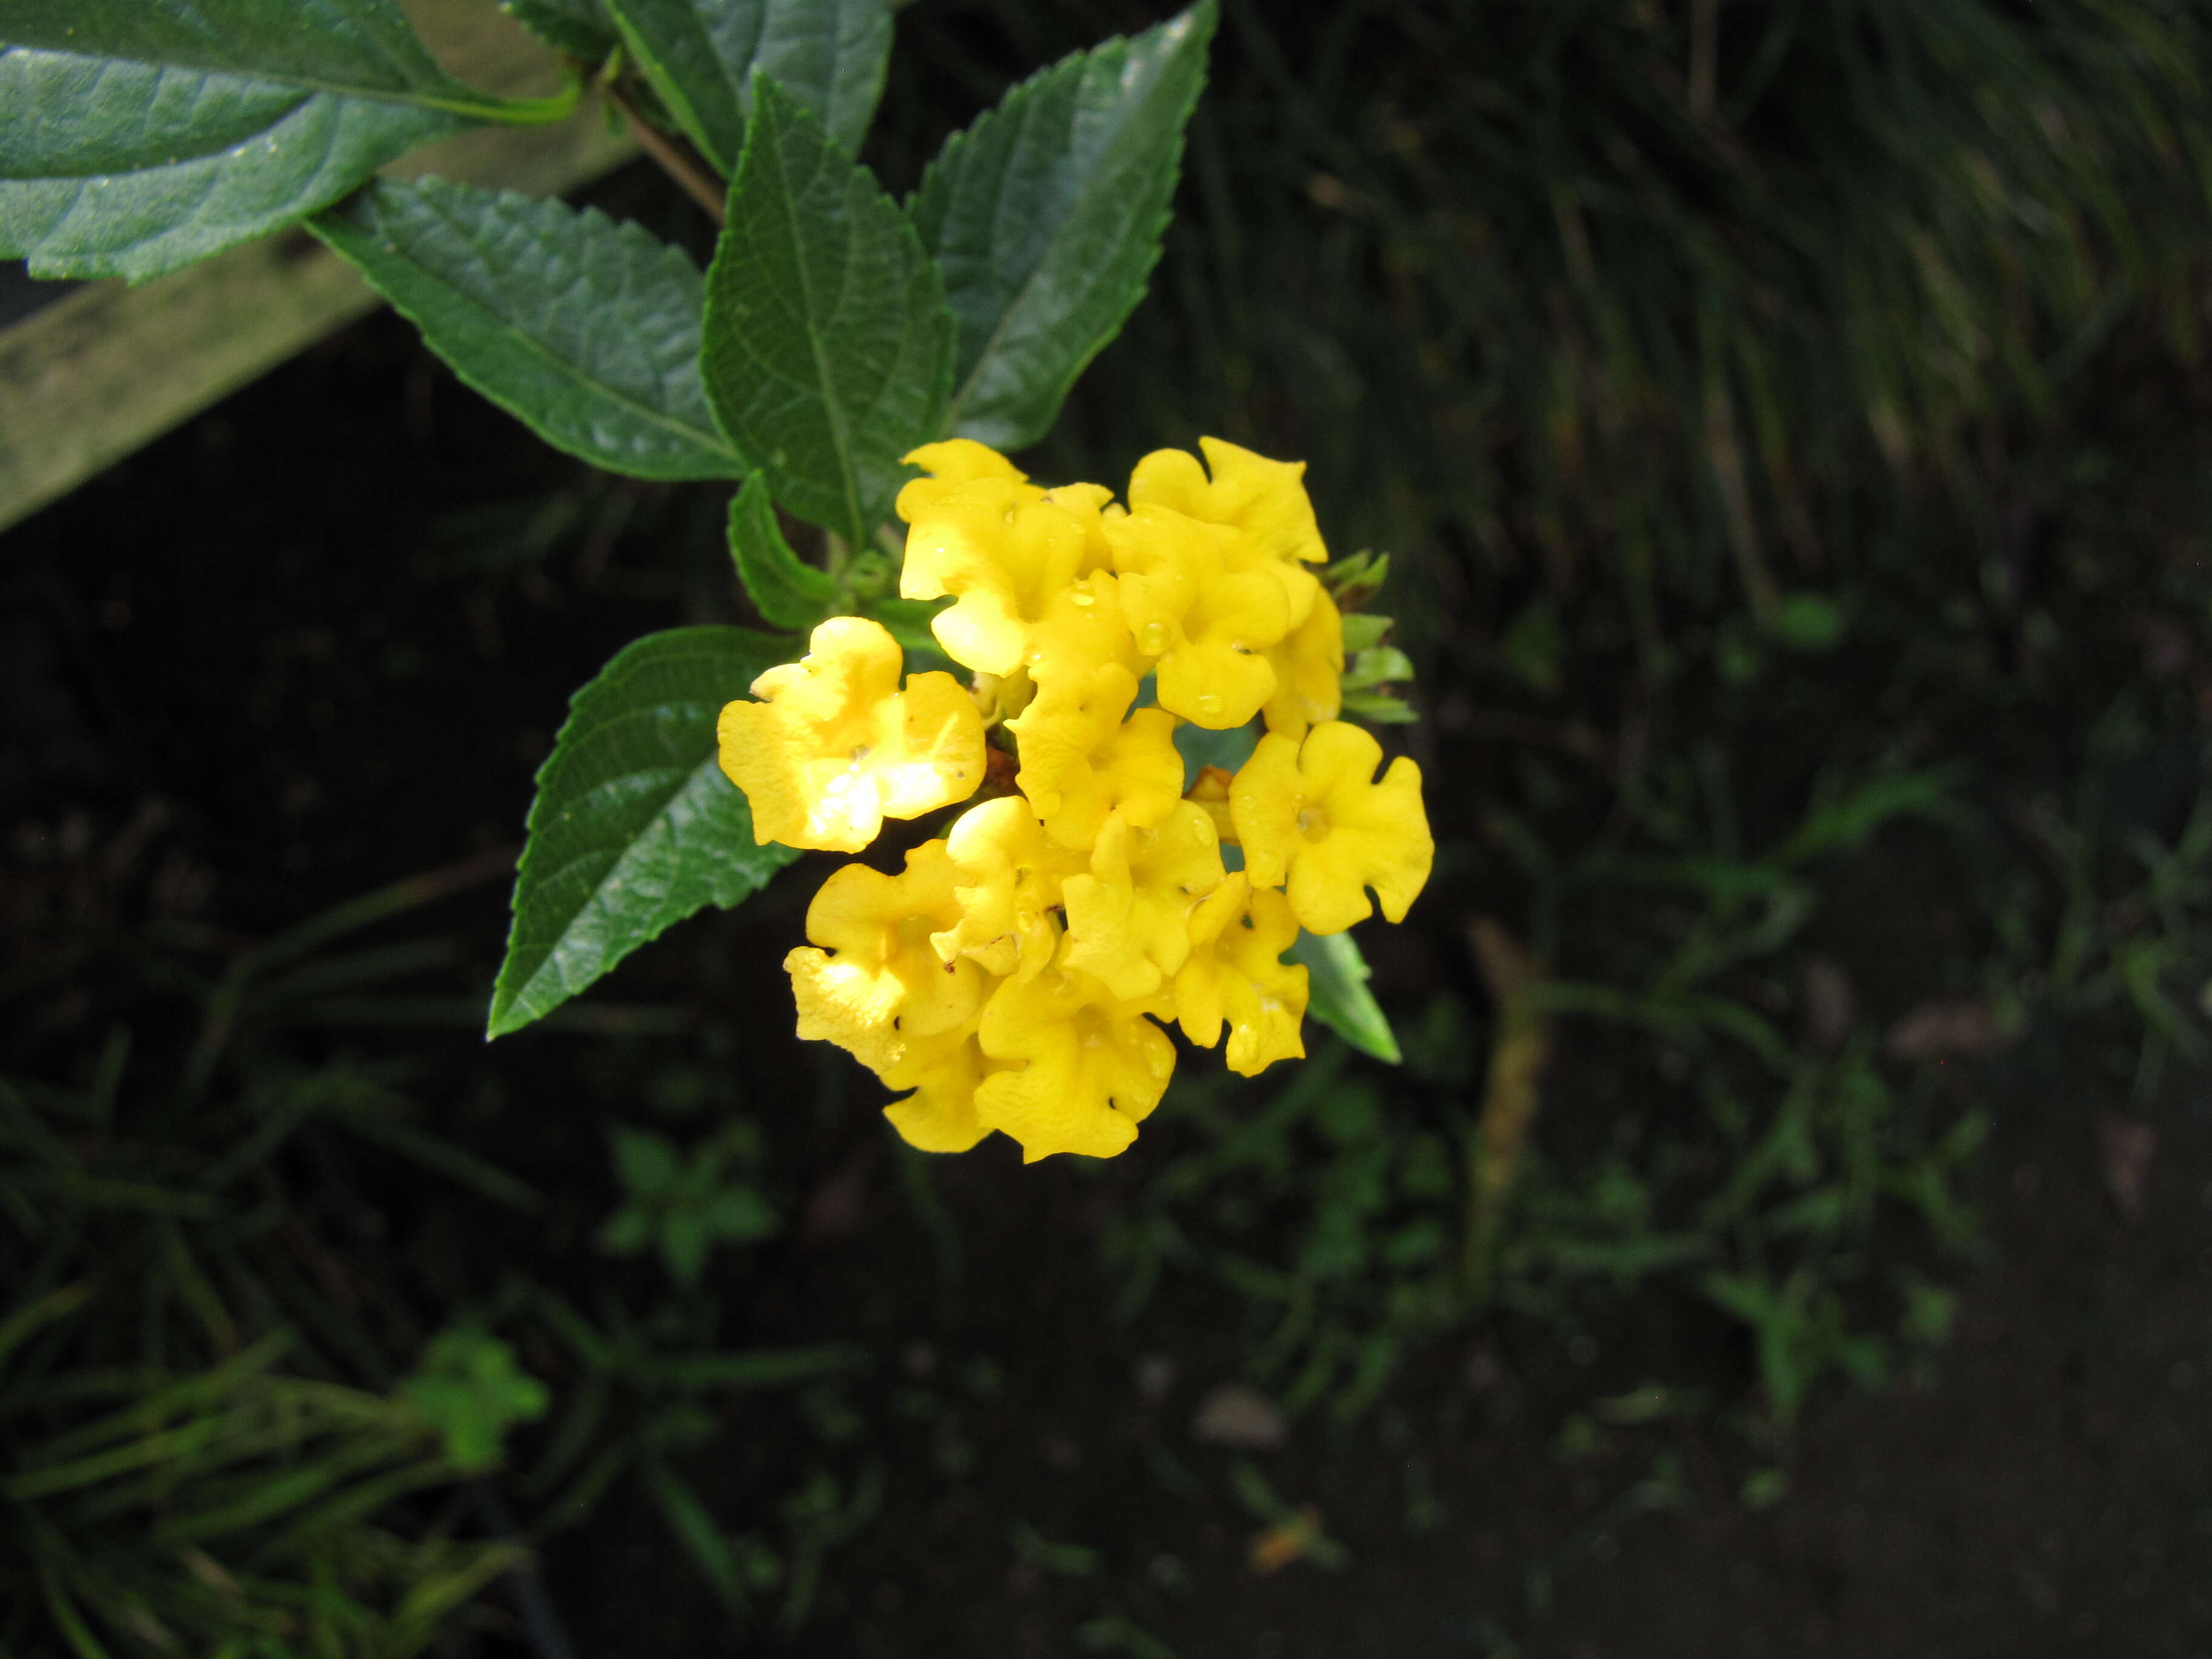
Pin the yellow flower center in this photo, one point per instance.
(1313, 823)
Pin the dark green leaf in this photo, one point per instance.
(137, 169)
(1337, 977)
(356, 47)
(907, 621)
(635, 826)
(1047, 214)
(829, 348)
(648, 1162)
(586, 330)
(786, 590)
(580, 27)
(826, 54)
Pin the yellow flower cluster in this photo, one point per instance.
(1011, 975)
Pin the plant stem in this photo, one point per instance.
(675, 159)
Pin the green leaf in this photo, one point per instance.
(907, 620)
(135, 170)
(829, 348)
(584, 330)
(1046, 215)
(786, 590)
(470, 1389)
(579, 28)
(635, 826)
(828, 54)
(647, 1163)
(1337, 977)
(355, 47)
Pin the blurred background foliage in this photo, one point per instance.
(1788, 426)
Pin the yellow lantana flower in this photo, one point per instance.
(1207, 624)
(949, 465)
(1236, 973)
(1265, 501)
(939, 1115)
(1308, 672)
(834, 747)
(1007, 881)
(1312, 814)
(1081, 760)
(1128, 918)
(1021, 566)
(886, 985)
(1084, 1065)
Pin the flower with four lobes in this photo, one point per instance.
(1312, 812)
(834, 747)
(1088, 1066)
(1128, 917)
(1008, 874)
(1023, 565)
(1010, 978)
(886, 986)
(1236, 973)
(1264, 501)
(1082, 760)
(1203, 623)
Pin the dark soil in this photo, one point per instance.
(317, 636)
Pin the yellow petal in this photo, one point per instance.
(1312, 818)
(834, 745)
(1129, 916)
(1207, 625)
(1264, 800)
(1199, 1002)
(1084, 1065)
(1081, 760)
(886, 985)
(1235, 975)
(1265, 997)
(1309, 671)
(939, 1115)
(1003, 556)
(954, 462)
(1007, 881)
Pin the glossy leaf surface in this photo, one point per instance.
(111, 168)
(586, 330)
(1337, 977)
(635, 826)
(829, 348)
(355, 47)
(701, 58)
(786, 590)
(1046, 216)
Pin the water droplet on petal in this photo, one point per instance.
(1209, 704)
(1083, 596)
(1152, 639)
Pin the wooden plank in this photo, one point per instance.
(107, 368)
